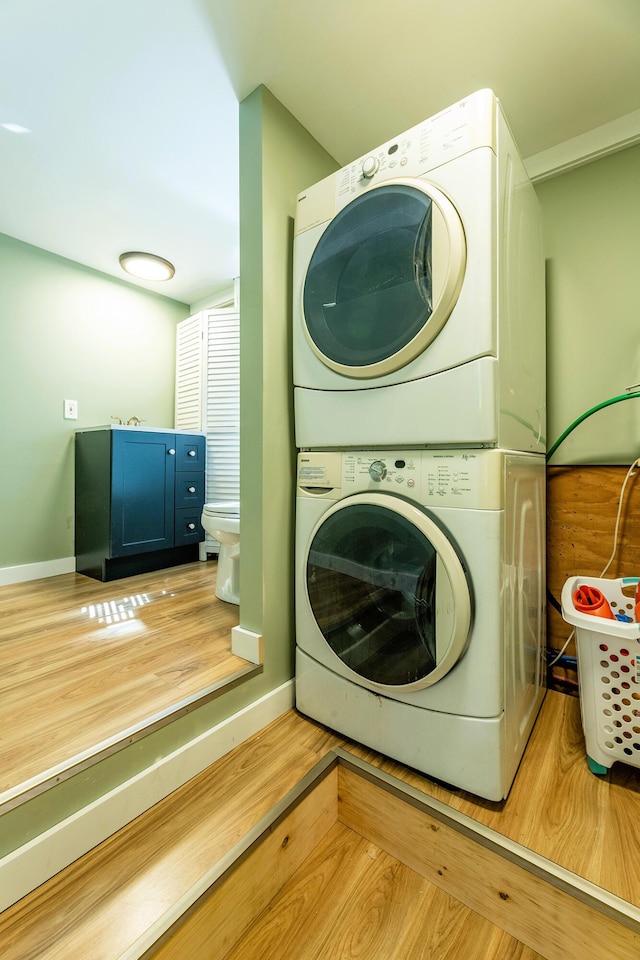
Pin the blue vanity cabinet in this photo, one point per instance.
(139, 498)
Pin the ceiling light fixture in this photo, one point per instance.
(146, 266)
(15, 128)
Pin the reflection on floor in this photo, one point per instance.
(86, 664)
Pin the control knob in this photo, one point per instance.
(370, 167)
(378, 470)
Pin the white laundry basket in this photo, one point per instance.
(608, 672)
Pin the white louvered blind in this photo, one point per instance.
(222, 405)
(208, 396)
(189, 379)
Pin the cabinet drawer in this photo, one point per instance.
(190, 453)
(189, 491)
(188, 528)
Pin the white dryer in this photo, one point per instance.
(420, 606)
(418, 293)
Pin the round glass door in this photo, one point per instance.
(388, 591)
(384, 278)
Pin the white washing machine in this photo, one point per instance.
(420, 607)
(418, 293)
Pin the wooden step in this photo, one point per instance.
(358, 863)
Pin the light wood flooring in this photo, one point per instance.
(373, 906)
(100, 905)
(84, 664)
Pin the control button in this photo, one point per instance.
(403, 162)
(378, 470)
(411, 483)
(370, 167)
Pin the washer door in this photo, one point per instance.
(388, 592)
(384, 278)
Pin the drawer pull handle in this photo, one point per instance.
(191, 490)
(191, 526)
(192, 453)
(171, 452)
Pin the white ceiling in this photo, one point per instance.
(132, 105)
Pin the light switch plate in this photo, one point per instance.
(71, 409)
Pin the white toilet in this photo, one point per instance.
(222, 522)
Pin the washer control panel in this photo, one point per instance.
(371, 470)
(444, 478)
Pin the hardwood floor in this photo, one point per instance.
(372, 906)
(110, 898)
(85, 663)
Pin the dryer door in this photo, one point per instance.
(384, 278)
(388, 592)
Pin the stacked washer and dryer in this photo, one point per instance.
(419, 396)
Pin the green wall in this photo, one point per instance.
(278, 159)
(68, 332)
(591, 219)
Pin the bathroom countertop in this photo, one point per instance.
(141, 428)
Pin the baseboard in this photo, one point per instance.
(246, 644)
(36, 861)
(36, 571)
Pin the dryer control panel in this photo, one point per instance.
(462, 127)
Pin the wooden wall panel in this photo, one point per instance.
(533, 901)
(582, 504)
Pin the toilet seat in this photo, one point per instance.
(229, 508)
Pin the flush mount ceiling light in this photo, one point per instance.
(146, 266)
(15, 128)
